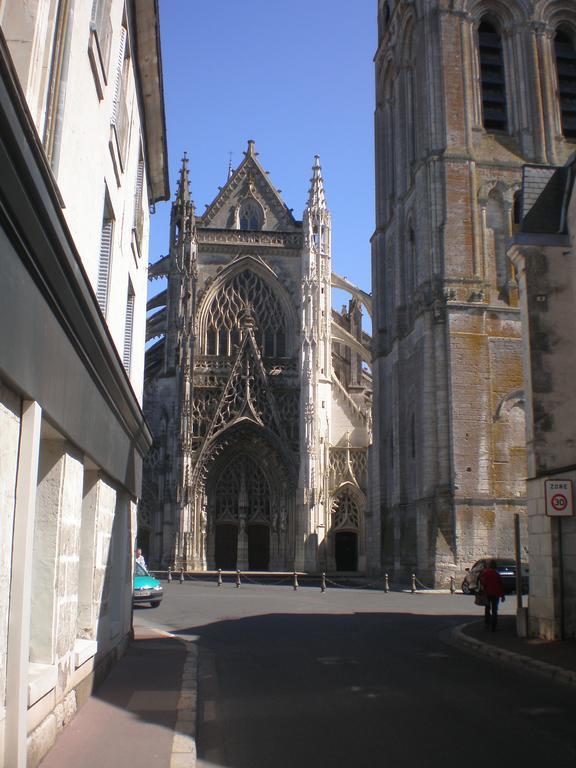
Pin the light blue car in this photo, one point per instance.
(146, 588)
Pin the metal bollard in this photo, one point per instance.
(386, 584)
(219, 577)
(238, 582)
(295, 581)
(182, 576)
(452, 585)
(169, 574)
(413, 586)
(323, 583)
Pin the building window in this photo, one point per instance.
(492, 77)
(410, 266)
(138, 223)
(105, 260)
(128, 327)
(102, 26)
(119, 117)
(223, 342)
(211, 341)
(246, 290)
(565, 51)
(251, 217)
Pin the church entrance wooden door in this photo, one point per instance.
(226, 547)
(258, 547)
(346, 551)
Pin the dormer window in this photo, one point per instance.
(251, 215)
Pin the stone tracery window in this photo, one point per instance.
(251, 217)
(223, 325)
(345, 512)
(242, 486)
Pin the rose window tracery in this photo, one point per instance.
(246, 290)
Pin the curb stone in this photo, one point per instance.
(551, 671)
(184, 741)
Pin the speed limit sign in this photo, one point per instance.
(559, 498)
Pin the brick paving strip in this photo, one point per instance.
(460, 635)
(184, 742)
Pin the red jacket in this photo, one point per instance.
(491, 583)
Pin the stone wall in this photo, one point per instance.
(445, 295)
(10, 431)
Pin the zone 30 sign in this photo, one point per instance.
(559, 501)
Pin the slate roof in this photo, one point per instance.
(546, 196)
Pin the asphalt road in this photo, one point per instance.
(357, 678)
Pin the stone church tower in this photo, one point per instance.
(256, 390)
(467, 92)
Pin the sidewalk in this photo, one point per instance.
(143, 714)
(553, 659)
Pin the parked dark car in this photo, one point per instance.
(505, 566)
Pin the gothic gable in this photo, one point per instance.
(249, 201)
(247, 394)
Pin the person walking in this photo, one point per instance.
(491, 583)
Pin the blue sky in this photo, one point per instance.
(298, 79)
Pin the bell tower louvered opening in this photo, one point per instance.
(492, 77)
(566, 68)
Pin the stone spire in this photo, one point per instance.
(316, 196)
(183, 200)
(183, 191)
(183, 211)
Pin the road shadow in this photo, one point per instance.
(315, 690)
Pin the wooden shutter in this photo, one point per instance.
(118, 81)
(138, 190)
(104, 263)
(128, 327)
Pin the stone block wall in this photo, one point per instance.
(10, 406)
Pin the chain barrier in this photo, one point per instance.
(174, 575)
(265, 580)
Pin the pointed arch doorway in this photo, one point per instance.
(241, 511)
(346, 550)
(345, 528)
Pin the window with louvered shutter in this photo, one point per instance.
(119, 118)
(118, 79)
(102, 25)
(138, 224)
(128, 327)
(105, 261)
(565, 51)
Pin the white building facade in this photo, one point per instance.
(83, 157)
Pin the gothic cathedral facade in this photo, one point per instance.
(257, 391)
(467, 93)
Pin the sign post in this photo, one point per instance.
(559, 498)
(559, 503)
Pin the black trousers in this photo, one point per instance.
(491, 612)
